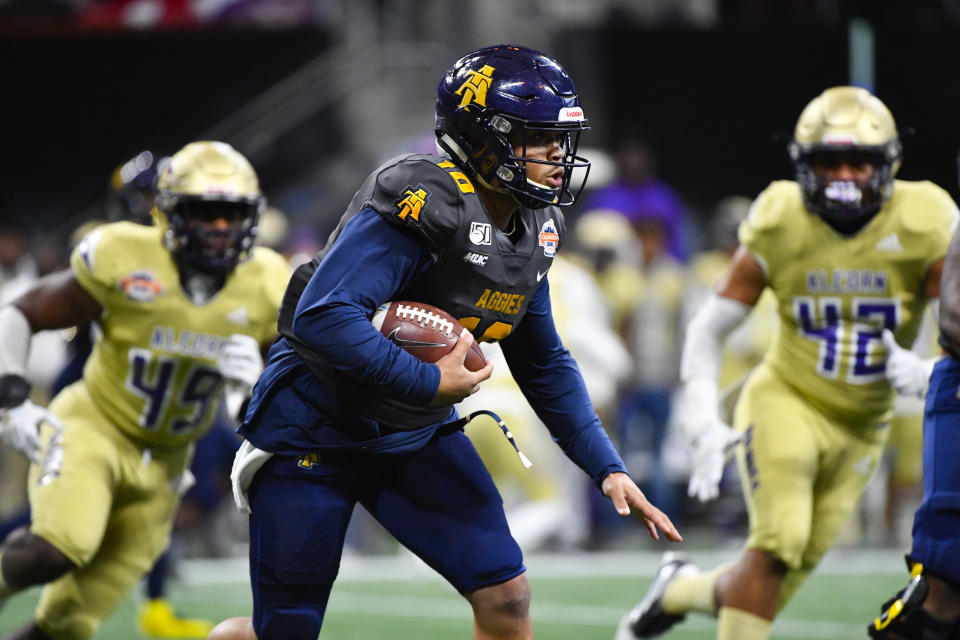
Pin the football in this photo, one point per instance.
(424, 330)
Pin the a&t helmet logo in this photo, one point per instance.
(475, 88)
(412, 201)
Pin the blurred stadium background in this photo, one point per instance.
(696, 97)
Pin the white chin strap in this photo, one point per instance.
(542, 186)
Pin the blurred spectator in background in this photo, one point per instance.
(605, 245)
(648, 306)
(16, 263)
(645, 200)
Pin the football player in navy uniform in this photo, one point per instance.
(929, 607)
(342, 415)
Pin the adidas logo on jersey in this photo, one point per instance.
(239, 317)
(890, 243)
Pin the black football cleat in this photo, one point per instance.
(648, 619)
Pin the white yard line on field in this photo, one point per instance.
(640, 564)
(546, 613)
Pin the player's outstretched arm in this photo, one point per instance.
(456, 381)
(624, 493)
(698, 411)
(56, 301)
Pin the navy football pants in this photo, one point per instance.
(936, 525)
(440, 502)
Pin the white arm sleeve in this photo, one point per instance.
(15, 345)
(699, 407)
(708, 329)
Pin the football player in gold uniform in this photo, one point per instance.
(186, 308)
(848, 251)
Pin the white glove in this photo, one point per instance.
(20, 427)
(711, 440)
(246, 463)
(710, 452)
(240, 364)
(907, 372)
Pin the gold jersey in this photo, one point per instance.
(836, 293)
(153, 369)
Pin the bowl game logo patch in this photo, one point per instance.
(142, 286)
(549, 238)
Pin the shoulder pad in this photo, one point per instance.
(926, 207)
(773, 204)
(267, 260)
(111, 251)
(423, 194)
(108, 248)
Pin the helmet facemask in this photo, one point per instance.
(212, 235)
(847, 205)
(486, 149)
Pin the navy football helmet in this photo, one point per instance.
(499, 99)
(132, 189)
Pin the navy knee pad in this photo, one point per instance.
(289, 624)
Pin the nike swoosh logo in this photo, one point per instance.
(540, 275)
(403, 342)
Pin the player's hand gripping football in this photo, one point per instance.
(20, 427)
(907, 372)
(456, 381)
(624, 493)
(711, 439)
(240, 364)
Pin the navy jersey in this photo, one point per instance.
(417, 230)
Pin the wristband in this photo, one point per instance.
(14, 390)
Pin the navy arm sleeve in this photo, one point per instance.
(551, 381)
(368, 263)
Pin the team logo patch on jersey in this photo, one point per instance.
(549, 238)
(308, 460)
(475, 87)
(480, 233)
(142, 286)
(411, 202)
(472, 257)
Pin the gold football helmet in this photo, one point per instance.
(845, 125)
(202, 186)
